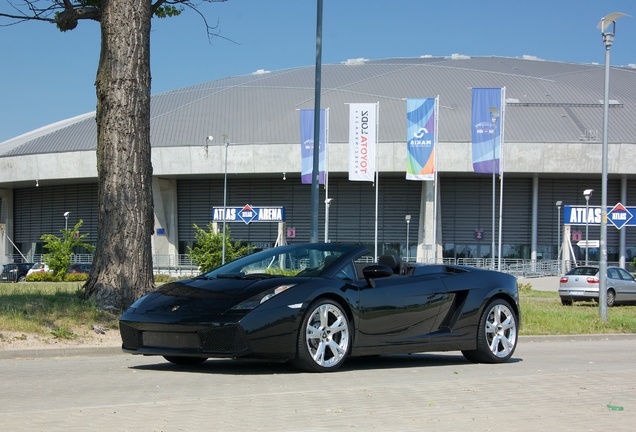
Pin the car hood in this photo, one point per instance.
(202, 296)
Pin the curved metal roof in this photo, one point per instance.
(547, 102)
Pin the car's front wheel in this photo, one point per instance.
(324, 337)
(496, 335)
(185, 361)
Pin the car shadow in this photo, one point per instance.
(264, 367)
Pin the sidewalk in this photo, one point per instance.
(546, 283)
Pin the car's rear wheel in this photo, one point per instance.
(324, 338)
(497, 334)
(566, 301)
(611, 297)
(185, 361)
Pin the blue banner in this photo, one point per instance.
(421, 133)
(307, 145)
(486, 129)
(248, 214)
(619, 215)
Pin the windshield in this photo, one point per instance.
(294, 260)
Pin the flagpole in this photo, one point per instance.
(377, 173)
(435, 178)
(327, 199)
(501, 167)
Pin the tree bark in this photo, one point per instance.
(122, 265)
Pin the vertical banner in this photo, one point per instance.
(486, 135)
(421, 134)
(307, 145)
(362, 141)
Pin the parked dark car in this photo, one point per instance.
(317, 304)
(15, 272)
(79, 268)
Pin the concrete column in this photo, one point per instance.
(535, 212)
(6, 223)
(425, 237)
(165, 240)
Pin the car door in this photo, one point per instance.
(399, 311)
(628, 286)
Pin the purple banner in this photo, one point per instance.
(486, 129)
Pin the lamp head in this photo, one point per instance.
(66, 214)
(609, 19)
(587, 193)
(494, 113)
(407, 218)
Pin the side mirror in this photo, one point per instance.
(376, 271)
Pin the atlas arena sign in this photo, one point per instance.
(248, 214)
(619, 215)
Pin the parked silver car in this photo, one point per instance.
(581, 283)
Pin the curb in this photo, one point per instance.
(60, 352)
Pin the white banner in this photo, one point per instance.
(362, 141)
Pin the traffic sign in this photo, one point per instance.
(588, 244)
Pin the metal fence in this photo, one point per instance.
(182, 265)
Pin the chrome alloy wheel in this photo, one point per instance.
(501, 330)
(327, 335)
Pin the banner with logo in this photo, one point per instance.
(362, 141)
(307, 145)
(421, 138)
(486, 129)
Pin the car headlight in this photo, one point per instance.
(261, 297)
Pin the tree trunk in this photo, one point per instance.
(122, 266)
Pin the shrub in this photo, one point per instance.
(61, 248)
(208, 248)
(76, 277)
(524, 288)
(42, 277)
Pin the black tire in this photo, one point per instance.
(566, 301)
(611, 298)
(324, 337)
(22, 279)
(185, 361)
(496, 335)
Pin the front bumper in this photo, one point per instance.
(222, 341)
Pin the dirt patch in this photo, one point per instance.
(83, 338)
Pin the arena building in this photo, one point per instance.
(552, 152)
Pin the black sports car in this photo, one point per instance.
(317, 304)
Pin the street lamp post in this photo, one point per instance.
(407, 218)
(558, 205)
(66, 220)
(226, 141)
(608, 38)
(587, 193)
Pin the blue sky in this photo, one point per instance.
(48, 76)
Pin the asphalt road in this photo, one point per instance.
(555, 383)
